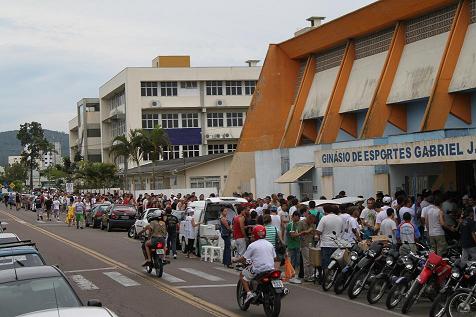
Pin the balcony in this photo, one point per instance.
(118, 113)
(73, 124)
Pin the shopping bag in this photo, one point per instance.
(288, 269)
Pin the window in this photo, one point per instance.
(150, 120)
(234, 119)
(168, 88)
(216, 148)
(92, 107)
(190, 150)
(169, 120)
(118, 128)
(95, 158)
(171, 152)
(93, 133)
(118, 100)
(215, 119)
(250, 86)
(233, 87)
(231, 147)
(214, 88)
(188, 84)
(189, 120)
(157, 183)
(148, 88)
(205, 182)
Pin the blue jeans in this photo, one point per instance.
(172, 242)
(227, 250)
(326, 254)
(294, 255)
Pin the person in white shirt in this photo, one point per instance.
(433, 219)
(351, 225)
(56, 208)
(407, 207)
(387, 200)
(388, 227)
(329, 224)
(368, 217)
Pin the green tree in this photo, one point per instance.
(153, 144)
(127, 147)
(34, 143)
(97, 175)
(17, 172)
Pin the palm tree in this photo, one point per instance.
(153, 143)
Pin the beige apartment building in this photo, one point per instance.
(85, 130)
(202, 109)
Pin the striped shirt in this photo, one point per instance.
(271, 234)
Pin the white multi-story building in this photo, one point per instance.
(51, 158)
(202, 109)
(85, 131)
(12, 159)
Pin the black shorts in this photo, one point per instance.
(155, 240)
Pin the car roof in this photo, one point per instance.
(18, 250)
(197, 203)
(227, 200)
(321, 202)
(72, 312)
(349, 200)
(28, 273)
(8, 235)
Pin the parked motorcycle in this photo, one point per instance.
(339, 260)
(463, 300)
(430, 280)
(381, 282)
(343, 279)
(413, 264)
(269, 290)
(368, 266)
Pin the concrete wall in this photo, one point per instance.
(320, 93)
(362, 82)
(454, 123)
(219, 167)
(241, 174)
(355, 181)
(417, 69)
(267, 170)
(463, 76)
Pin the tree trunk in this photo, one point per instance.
(126, 184)
(31, 177)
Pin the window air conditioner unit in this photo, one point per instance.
(226, 135)
(217, 136)
(220, 102)
(156, 103)
(207, 136)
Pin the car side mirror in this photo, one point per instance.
(94, 303)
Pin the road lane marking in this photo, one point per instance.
(171, 279)
(92, 270)
(22, 222)
(224, 269)
(83, 284)
(179, 294)
(201, 274)
(121, 279)
(205, 286)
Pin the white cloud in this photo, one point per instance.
(54, 52)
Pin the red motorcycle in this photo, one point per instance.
(433, 276)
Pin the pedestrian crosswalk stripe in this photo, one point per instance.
(224, 269)
(171, 278)
(121, 279)
(83, 283)
(201, 274)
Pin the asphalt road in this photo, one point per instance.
(107, 266)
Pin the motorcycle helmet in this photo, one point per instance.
(155, 215)
(259, 232)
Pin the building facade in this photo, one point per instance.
(85, 130)
(202, 109)
(380, 99)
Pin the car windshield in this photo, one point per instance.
(16, 261)
(212, 214)
(21, 297)
(8, 240)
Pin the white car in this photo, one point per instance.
(141, 223)
(8, 238)
(73, 312)
(3, 226)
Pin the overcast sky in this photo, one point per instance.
(55, 52)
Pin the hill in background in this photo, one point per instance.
(10, 145)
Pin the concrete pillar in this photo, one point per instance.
(327, 186)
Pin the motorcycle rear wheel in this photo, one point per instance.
(455, 306)
(411, 297)
(159, 267)
(272, 303)
(241, 296)
(438, 306)
(376, 290)
(342, 281)
(395, 295)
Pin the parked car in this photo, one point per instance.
(30, 289)
(96, 214)
(118, 216)
(3, 226)
(20, 254)
(73, 312)
(8, 238)
(140, 223)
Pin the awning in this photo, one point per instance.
(294, 173)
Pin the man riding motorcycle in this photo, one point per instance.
(157, 232)
(262, 256)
